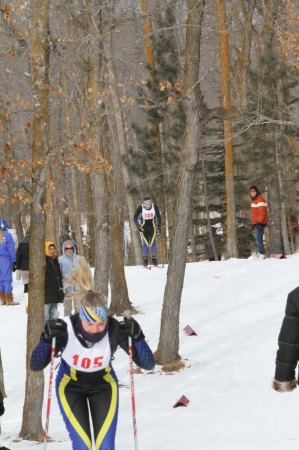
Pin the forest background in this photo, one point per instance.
(103, 102)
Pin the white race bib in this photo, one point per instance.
(84, 359)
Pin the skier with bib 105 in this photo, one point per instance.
(86, 384)
(148, 221)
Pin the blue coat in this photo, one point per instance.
(7, 247)
(7, 258)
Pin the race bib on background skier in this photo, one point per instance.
(148, 214)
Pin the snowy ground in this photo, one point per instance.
(236, 307)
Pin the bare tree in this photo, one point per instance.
(158, 174)
(231, 235)
(99, 141)
(39, 60)
(168, 345)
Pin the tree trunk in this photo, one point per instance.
(50, 225)
(168, 346)
(39, 60)
(206, 203)
(73, 198)
(158, 177)
(275, 243)
(122, 147)
(32, 428)
(91, 223)
(119, 291)
(97, 139)
(2, 388)
(270, 11)
(231, 232)
(247, 7)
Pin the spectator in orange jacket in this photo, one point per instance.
(259, 218)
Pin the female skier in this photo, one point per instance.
(86, 380)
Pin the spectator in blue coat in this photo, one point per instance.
(7, 264)
(67, 262)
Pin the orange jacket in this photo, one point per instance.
(259, 210)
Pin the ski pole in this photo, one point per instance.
(49, 392)
(128, 316)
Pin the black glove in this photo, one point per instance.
(158, 231)
(259, 226)
(129, 327)
(14, 267)
(2, 409)
(54, 328)
(141, 229)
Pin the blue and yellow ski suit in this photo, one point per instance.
(94, 387)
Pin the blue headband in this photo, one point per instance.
(93, 314)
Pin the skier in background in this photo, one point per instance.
(86, 384)
(7, 264)
(259, 218)
(148, 221)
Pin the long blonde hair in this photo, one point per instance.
(82, 277)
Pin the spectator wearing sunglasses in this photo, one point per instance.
(67, 262)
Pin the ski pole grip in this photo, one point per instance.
(128, 314)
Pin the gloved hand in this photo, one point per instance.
(2, 409)
(141, 229)
(129, 327)
(54, 328)
(158, 231)
(14, 267)
(259, 226)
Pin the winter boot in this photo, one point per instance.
(261, 256)
(9, 300)
(2, 301)
(155, 260)
(25, 295)
(145, 261)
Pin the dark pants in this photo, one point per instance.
(259, 237)
(148, 238)
(79, 403)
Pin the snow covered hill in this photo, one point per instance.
(236, 308)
